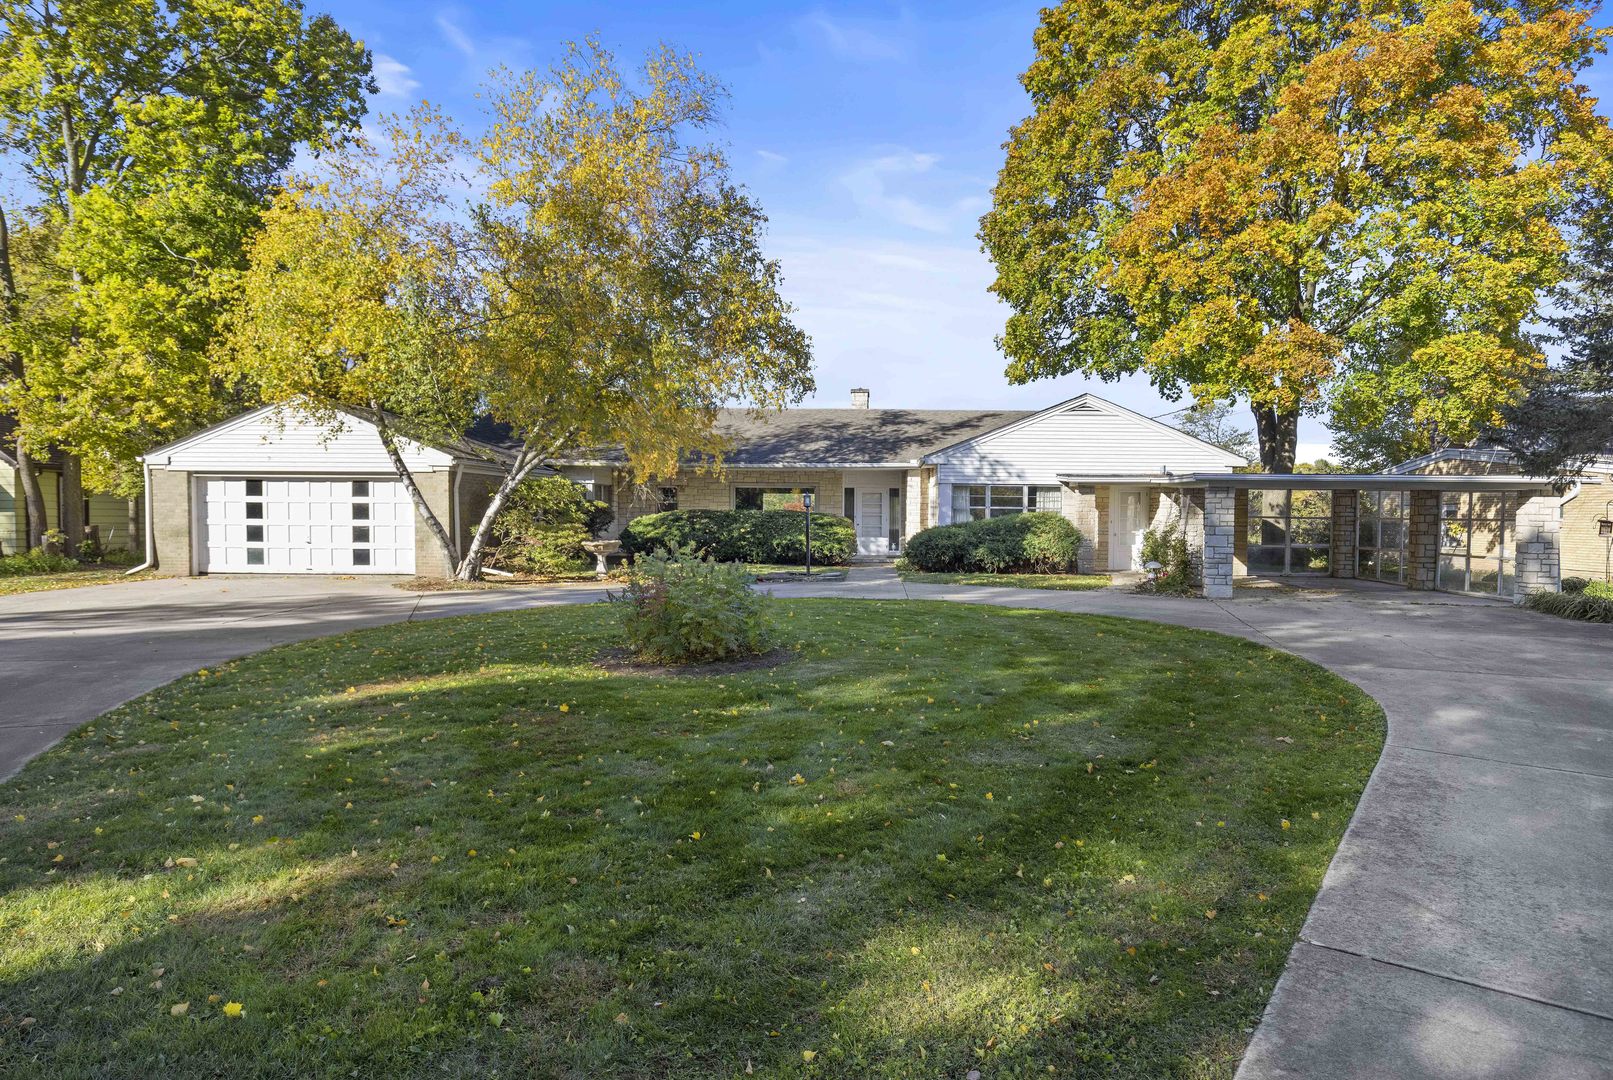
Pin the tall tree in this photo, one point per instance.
(1212, 421)
(1566, 421)
(1352, 205)
(146, 133)
(610, 289)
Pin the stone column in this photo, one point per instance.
(1220, 511)
(1081, 508)
(912, 504)
(1536, 546)
(1422, 539)
(1341, 561)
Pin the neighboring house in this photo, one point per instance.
(271, 491)
(112, 520)
(1586, 550)
(894, 472)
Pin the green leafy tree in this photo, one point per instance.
(1353, 205)
(610, 289)
(145, 135)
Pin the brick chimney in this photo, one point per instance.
(859, 398)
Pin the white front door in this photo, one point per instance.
(872, 536)
(1128, 518)
(306, 525)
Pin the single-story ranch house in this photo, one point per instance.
(272, 492)
(113, 521)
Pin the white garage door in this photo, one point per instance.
(306, 526)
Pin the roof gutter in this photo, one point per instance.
(150, 530)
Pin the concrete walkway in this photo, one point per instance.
(1464, 930)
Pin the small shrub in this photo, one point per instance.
(680, 609)
(90, 550)
(123, 557)
(1585, 605)
(1602, 590)
(543, 526)
(746, 536)
(37, 561)
(1167, 546)
(1038, 543)
(1571, 585)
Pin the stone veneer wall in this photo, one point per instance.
(1341, 560)
(1081, 510)
(1535, 546)
(1422, 540)
(1220, 514)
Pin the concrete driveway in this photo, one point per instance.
(70, 655)
(1464, 930)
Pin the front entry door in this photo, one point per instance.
(1128, 518)
(873, 539)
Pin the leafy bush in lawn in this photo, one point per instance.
(1571, 585)
(1587, 605)
(37, 561)
(1602, 590)
(1037, 543)
(748, 536)
(680, 609)
(544, 524)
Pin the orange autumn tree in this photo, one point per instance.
(1356, 209)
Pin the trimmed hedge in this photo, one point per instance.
(1037, 543)
(749, 536)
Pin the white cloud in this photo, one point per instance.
(772, 157)
(851, 39)
(876, 187)
(455, 36)
(392, 77)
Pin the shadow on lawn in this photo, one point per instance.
(986, 846)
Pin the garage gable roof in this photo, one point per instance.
(282, 438)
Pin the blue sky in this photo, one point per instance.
(871, 133)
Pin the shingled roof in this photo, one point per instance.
(836, 436)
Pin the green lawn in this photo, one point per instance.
(1066, 582)
(943, 838)
(70, 579)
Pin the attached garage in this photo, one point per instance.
(275, 492)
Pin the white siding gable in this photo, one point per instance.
(1086, 435)
(286, 440)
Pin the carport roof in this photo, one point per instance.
(1327, 481)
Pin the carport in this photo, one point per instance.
(1479, 534)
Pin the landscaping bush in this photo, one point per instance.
(542, 528)
(1602, 590)
(37, 561)
(1588, 605)
(1017, 543)
(1572, 585)
(1167, 546)
(747, 536)
(681, 609)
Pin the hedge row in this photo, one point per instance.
(751, 536)
(1038, 543)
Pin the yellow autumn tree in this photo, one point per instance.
(1348, 207)
(584, 273)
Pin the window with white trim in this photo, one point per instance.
(975, 502)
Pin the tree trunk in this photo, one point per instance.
(136, 533)
(70, 502)
(390, 442)
(471, 568)
(33, 498)
(1278, 432)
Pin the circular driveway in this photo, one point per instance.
(1464, 929)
